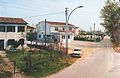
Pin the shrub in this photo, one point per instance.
(39, 64)
(80, 38)
(87, 39)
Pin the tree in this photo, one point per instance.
(31, 36)
(109, 14)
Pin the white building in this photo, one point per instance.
(12, 31)
(56, 30)
(78, 31)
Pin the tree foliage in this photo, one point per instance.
(109, 14)
(31, 36)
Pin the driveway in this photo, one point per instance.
(101, 64)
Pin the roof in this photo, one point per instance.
(58, 23)
(8, 20)
(30, 27)
(78, 28)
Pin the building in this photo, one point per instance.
(31, 34)
(55, 31)
(78, 31)
(12, 32)
(30, 29)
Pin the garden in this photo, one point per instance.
(41, 63)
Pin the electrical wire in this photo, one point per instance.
(29, 9)
(23, 8)
(45, 14)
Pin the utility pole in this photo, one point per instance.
(45, 34)
(90, 32)
(66, 16)
(90, 29)
(94, 32)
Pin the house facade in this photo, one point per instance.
(12, 30)
(55, 31)
(78, 31)
(30, 29)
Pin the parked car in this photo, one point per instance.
(77, 52)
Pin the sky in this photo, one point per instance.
(34, 11)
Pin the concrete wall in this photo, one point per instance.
(51, 29)
(41, 30)
(12, 35)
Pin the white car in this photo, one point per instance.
(77, 52)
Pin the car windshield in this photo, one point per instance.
(77, 49)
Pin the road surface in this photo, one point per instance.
(103, 63)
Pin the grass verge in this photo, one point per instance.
(40, 64)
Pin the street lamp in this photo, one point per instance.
(67, 19)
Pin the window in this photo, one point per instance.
(2, 28)
(11, 29)
(77, 49)
(68, 36)
(56, 28)
(63, 36)
(63, 28)
(39, 36)
(21, 29)
(11, 42)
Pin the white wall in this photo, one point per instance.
(69, 40)
(41, 29)
(51, 29)
(12, 35)
(77, 31)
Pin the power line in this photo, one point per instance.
(29, 9)
(23, 8)
(44, 15)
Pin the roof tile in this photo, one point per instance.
(7, 20)
(58, 23)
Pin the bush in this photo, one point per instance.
(87, 39)
(80, 38)
(39, 64)
(98, 39)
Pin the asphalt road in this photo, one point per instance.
(103, 63)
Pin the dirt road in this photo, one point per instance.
(98, 65)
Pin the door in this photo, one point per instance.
(1, 44)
